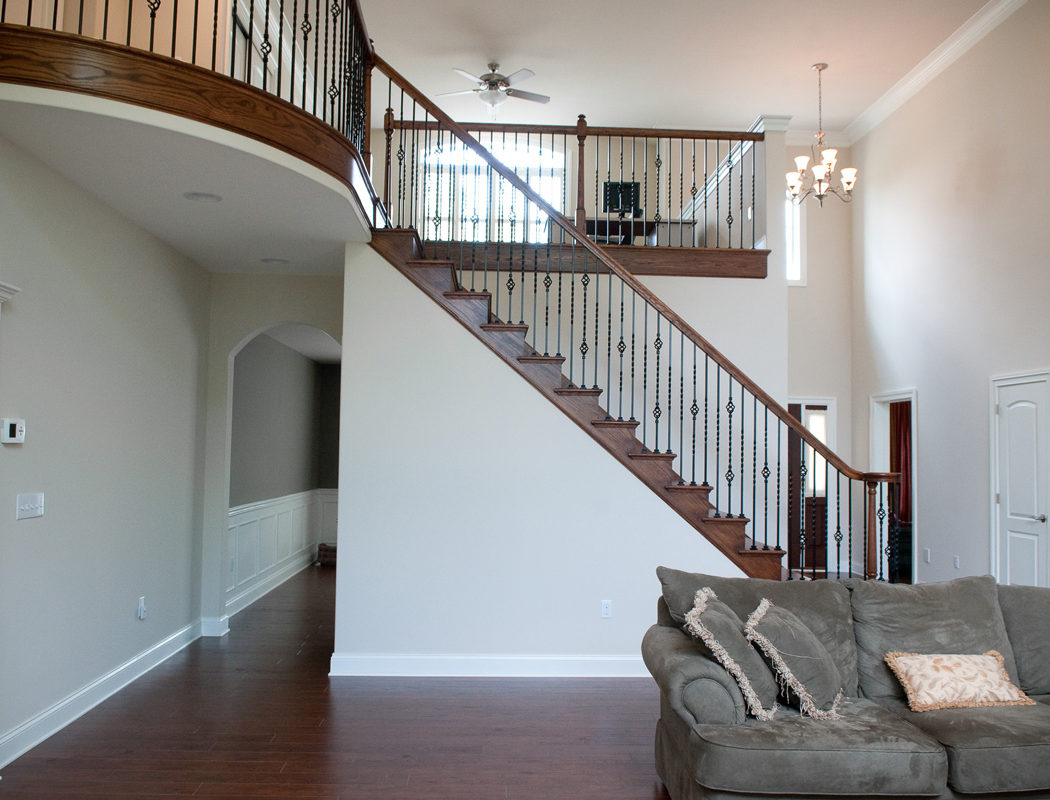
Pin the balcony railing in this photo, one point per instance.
(314, 56)
(624, 186)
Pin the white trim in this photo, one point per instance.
(215, 626)
(879, 454)
(995, 383)
(241, 601)
(969, 34)
(48, 722)
(488, 666)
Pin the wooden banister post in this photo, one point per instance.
(581, 139)
(871, 554)
(388, 129)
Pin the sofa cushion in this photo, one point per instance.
(867, 751)
(1000, 749)
(721, 632)
(1025, 612)
(804, 668)
(824, 607)
(960, 616)
(951, 680)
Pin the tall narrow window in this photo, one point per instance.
(795, 247)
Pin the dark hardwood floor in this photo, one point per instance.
(255, 715)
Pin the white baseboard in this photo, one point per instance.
(239, 602)
(477, 666)
(215, 626)
(35, 730)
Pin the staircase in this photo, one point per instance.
(438, 278)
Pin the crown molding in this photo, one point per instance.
(7, 291)
(969, 33)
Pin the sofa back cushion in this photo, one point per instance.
(824, 607)
(1026, 611)
(960, 616)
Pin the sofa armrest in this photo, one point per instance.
(697, 687)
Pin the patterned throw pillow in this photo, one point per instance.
(720, 630)
(805, 670)
(940, 680)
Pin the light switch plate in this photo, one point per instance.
(28, 506)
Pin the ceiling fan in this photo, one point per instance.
(493, 88)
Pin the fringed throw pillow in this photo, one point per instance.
(720, 630)
(805, 670)
(941, 680)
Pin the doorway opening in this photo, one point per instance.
(808, 488)
(893, 417)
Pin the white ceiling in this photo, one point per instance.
(707, 64)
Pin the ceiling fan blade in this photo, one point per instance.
(467, 75)
(518, 77)
(532, 96)
(465, 91)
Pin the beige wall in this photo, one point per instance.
(951, 281)
(103, 354)
(820, 312)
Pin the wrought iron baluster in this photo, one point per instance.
(881, 514)
(584, 347)
(694, 409)
(838, 523)
(754, 472)
(621, 348)
(718, 437)
(306, 27)
(802, 539)
(597, 294)
(718, 195)
(743, 420)
(645, 367)
(765, 479)
(633, 296)
(657, 412)
(670, 405)
(780, 425)
(730, 475)
(849, 527)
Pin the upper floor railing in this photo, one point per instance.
(314, 56)
(624, 186)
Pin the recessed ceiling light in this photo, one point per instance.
(274, 260)
(202, 197)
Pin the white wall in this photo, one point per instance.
(480, 528)
(103, 354)
(951, 281)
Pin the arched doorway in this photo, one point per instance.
(283, 457)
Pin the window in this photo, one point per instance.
(815, 420)
(464, 200)
(795, 247)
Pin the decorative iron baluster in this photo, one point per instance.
(584, 281)
(881, 514)
(707, 415)
(317, 28)
(681, 408)
(849, 527)
(621, 348)
(608, 345)
(597, 294)
(754, 472)
(645, 366)
(743, 420)
(802, 541)
(729, 476)
(729, 196)
(572, 306)
(838, 523)
(657, 412)
(718, 196)
(306, 27)
(765, 479)
(670, 405)
(718, 437)
(779, 462)
(633, 296)
(694, 409)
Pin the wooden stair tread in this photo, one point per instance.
(462, 295)
(578, 390)
(698, 488)
(504, 326)
(615, 423)
(429, 262)
(534, 358)
(648, 455)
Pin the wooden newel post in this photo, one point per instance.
(388, 129)
(581, 139)
(871, 550)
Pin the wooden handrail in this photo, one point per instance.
(581, 237)
(591, 130)
(360, 18)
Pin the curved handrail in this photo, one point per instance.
(613, 266)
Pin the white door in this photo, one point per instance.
(1022, 455)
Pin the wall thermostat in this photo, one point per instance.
(14, 431)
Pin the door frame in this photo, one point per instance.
(995, 383)
(879, 454)
(831, 403)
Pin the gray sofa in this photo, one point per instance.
(708, 747)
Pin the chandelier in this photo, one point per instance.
(824, 162)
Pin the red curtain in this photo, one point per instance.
(900, 454)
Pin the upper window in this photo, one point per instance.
(465, 201)
(794, 214)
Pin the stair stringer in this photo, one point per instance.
(437, 279)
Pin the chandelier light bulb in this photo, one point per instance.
(801, 163)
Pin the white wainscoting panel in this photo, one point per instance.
(271, 540)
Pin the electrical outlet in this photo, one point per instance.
(926, 554)
(956, 559)
(606, 609)
(142, 607)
